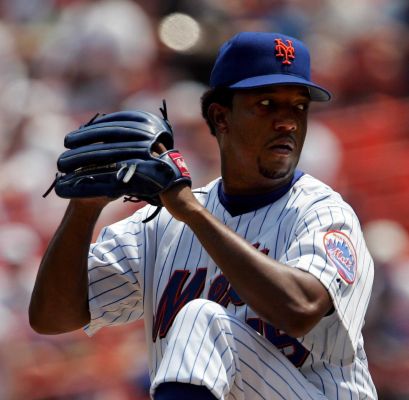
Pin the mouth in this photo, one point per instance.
(283, 146)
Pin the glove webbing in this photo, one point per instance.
(58, 174)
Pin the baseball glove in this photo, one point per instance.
(113, 155)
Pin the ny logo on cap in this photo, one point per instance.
(286, 51)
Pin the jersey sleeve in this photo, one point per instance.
(114, 294)
(329, 244)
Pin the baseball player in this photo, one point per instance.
(252, 287)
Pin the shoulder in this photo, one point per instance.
(322, 207)
(313, 193)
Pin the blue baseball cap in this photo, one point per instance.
(255, 59)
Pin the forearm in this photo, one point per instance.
(59, 301)
(272, 289)
(288, 298)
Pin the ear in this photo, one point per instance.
(218, 116)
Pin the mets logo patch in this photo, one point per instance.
(286, 51)
(342, 253)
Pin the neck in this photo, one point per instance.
(237, 204)
(242, 186)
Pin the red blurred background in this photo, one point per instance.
(62, 61)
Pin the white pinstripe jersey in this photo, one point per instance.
(151, 270)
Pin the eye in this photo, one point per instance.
(301, 106)
(266, 102)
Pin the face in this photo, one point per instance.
(261, 137)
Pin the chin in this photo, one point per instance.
(281, 173)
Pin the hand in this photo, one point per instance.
(178, 199)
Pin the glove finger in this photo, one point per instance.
(108, 132)
(110, 181)
(110, 128)
(91, 185)
(136, 115)
(102, 154)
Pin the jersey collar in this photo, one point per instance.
(242, 204)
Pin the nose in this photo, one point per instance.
(285, 124)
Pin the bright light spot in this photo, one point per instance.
(179, 31)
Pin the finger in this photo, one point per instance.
(158, 148)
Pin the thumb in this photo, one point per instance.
(158, 148)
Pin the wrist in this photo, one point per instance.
(181, 203)
(87, 209)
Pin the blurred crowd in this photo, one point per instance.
(62, 61)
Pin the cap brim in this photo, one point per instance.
(317, 93)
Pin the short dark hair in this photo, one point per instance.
(222, 96)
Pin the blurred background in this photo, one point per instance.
(62, 61)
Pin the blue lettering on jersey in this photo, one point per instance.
(175, 296)
(221, 292)
(173, 299)
(288, 345)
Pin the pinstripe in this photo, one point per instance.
(359, 302)
(345, 308)
(218, 206)
(240, 325)
(213, 198)
(100, 316)
(110, 251)
(332, 377)
(343, 224)
(259, 376)
(109, 276)
(230, 367)
(206, 204)
(306, 226)
(224, 217)
(156, 230)
(159, 280)
(116, 247)
(248, 225)
(318, 217)
(277, 239)
(286, 207)
(109, 290)
(190, 250)
(264, 219)
(291, 229)
(144, 267)
(319, 376)
(210, 359)
(332, 218)
(118, 300)
(313, 251)
(133, 311)
(176, 252)
(343, 378)
(217, 377)
(236, 385)
(173, 348)
(243, 361)
(165, 228)
(116, 262)
(201, 344)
